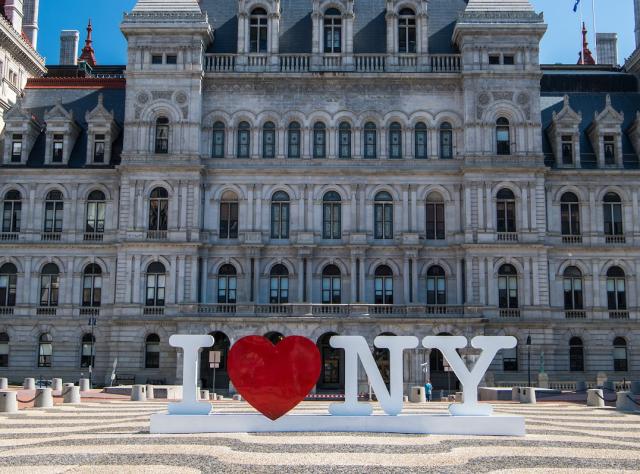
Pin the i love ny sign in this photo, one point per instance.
(274, 379)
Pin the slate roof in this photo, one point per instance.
(369, 30)
(587, 93)
(80, 101)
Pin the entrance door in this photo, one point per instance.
(221, 344)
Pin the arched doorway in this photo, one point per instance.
(383, 361)
(274, 336)
(332, 370)
(221, 344)
(442, 378)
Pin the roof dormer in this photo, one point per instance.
(61, 135)
(605, 134)
(21, 131)
(102, 131)
(564, 135)
(407, 33)
(258, 33)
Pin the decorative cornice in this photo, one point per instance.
(500, 17)
(19, 47)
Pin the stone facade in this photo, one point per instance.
(405, 192)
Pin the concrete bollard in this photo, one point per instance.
(405, 398)
(4, 383)
(138, 393)
(85, 385)
(150, 392)
(44, 398)
(8, 402)
(635, 387)
(417, 395)
(581, 386)
(29, 384)
(459, 397)
(624, 402)
(219, 398)
(56, 385)
(528, 395)
(204, 394)
(595, 398)
(515, 394)
(237, 398)
(71, 394)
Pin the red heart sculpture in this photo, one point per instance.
(274, 379)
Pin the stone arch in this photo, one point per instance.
(510, 185)
(345, 116)
(39, 264)
(268, 116)
(425, 191)
(97, 187)
(626, 267)
(338, 262)
(503, 108)
(217, 116)
(220, 190)
(395, 116)
(151, 185)
(44, 191)
(214, 269)
(279, 261)
(448, 269)
(269, 191)
(80, 266)
(584, 269)
(570, 188)
(149, 259)
(624, 195)
(243, 116)
(13, 260)
(450, 116)
(321, 191)
(390, 262)
(371, 195)
(161, 108)
(508, 261)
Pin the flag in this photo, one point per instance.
(575, 7)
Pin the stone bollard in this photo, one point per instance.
(459, 397)
(44, 399)
(71, 394)
(515, 394)
(8, 402)
(635, 387)
(595, 398)
(56, 385)
(204, 394)
(150, 392)
(405, 398)
(581, 386)
(417, 395)
(29, 384)
(624, 402)
(219, 398)
(528, 395)
(138, 393)
(237, 398)
(85, 385)
(4, 383)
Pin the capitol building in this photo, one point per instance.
(319, 168)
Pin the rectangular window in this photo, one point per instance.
(156, 59)
(609, 150)
(4, 354)
(172, 59)
(567, 150)
(16, 149)
(58, 149)
(229, 220)
(510, 360)
(98, 149)
(508, 60)
(494, 59)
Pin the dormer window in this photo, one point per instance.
(259, 31)
(102, 131)
(609, 150)
(58, 149)
(332, 31)
(162, 136)
(99, 149)
(407, 31)
(567, 150)
(16, 148)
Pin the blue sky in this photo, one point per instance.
(560, 45)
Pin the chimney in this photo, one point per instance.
(607, 48)
(69, 40)
(30, 21)
(13, 13)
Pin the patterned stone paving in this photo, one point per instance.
(113, 437)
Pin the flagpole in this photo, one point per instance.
(581, 37)
(595, 31)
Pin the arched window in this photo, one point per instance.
(162, 135)
(331, 285)
(8, 284)
(570, 215)
(229, 215)
(421, 141)
(258, 31)
(436, 286)
(279, 285)
(503, 137)
(96, 210)
(227, 285)
(435, 217)
(407, 31)
(92, 286)
(446, 141)
(344, 132)
(370, 140)
(159, 210)
(576, 355)
(88, 351)
(510, 359)
(4, 349)
(269, 140)
(12, 212)
(395, 140)
(45, 350)
(505, 211)
(508, 287)
(53, 210)
(332, 31)
(152, 352)
(331, 216)
(383, 216)
(218, 140)
(49, 285)
(572, 283)
(612, 205)
(293, 144)
(620, 361)
(156, 283)
(244, 140)
(319, 140)
(616, 289)
(383, 285)
(280, 215)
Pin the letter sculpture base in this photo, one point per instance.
(498, 425)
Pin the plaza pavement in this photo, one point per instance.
(112, 436)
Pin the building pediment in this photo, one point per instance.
(609, 116)
(567, 117)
